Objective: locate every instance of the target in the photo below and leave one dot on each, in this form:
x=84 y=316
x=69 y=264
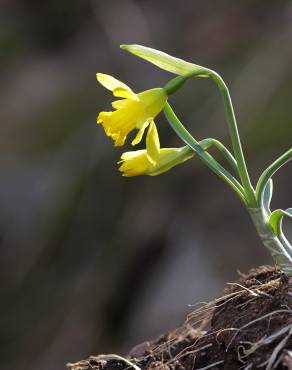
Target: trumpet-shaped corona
x=153 y=161
x=134 y=111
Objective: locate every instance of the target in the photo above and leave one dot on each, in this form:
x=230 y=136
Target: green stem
x=205 y=157
x=279 y=247
x=207 y=143
x=271 y=170
x=235 y=139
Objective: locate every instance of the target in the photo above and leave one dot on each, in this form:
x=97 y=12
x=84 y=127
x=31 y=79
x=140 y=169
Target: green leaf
x=184 y=134
x=270 y=171
x=276 y=219
x=266 y=196
x=165 y=61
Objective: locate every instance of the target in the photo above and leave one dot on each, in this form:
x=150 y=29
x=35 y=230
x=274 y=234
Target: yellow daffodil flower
x=153 y=161
x=134 y=111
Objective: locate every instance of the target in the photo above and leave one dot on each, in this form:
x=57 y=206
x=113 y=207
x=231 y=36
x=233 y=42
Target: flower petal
x=152 y=143
x=102 y=116
x=119 y=104
x=118 y=88
x=140 y=133
x=134 y=163
x=109 y=121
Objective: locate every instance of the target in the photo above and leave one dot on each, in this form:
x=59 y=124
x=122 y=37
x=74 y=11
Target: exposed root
x=211 y=365
x=251 y=326
x=187 y=352
x=286 y=359
x=99 y=362
x=277 y=349
x=248 y=366
x=253 y=293
x=263 y=341
x=255 y=321
x=199 y=320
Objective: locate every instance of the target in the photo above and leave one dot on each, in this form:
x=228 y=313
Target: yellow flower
x=153 y=161
x=134 y=111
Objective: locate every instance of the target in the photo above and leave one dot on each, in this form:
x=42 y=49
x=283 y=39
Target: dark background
x=92 y=262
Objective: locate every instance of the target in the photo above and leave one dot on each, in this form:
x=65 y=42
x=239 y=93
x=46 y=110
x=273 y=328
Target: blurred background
x=92 y=262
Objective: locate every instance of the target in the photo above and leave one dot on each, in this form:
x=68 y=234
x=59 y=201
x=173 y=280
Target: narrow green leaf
x=270 y=171
x=276 y=219
x=266 y=196
x=216 y=167
x=165 y=61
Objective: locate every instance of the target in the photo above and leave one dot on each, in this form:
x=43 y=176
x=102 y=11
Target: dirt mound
x=249 y=327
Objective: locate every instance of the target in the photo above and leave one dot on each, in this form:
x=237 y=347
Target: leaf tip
x=124 y=47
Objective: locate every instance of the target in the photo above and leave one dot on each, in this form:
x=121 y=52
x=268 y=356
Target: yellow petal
x=119 y=139
x=137 y=162
x=140 y=133
x=153 y=100
x=152 y=143
x=134 y=163
x=132 y=155
x=125 y=93
x=118 y=104
x=118 y=88
x=108 y=121
x=102 y=116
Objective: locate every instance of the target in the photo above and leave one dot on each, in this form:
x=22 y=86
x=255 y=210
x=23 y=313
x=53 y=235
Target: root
x=211 y=365
x=99 y=362
x=286 y=359
x=187 y=352
x=196 y=336
x=248 y=367
x=254 y=291
x=270 y=362
x=255 y=321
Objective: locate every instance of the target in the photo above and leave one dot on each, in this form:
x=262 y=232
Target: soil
x=249 y=327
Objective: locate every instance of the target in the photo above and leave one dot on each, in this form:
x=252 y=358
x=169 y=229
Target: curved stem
x=205 y=157
x=235 y=139
x=207 y=143
x=271 y=170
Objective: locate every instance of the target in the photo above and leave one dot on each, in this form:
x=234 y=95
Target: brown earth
x=250 y=327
